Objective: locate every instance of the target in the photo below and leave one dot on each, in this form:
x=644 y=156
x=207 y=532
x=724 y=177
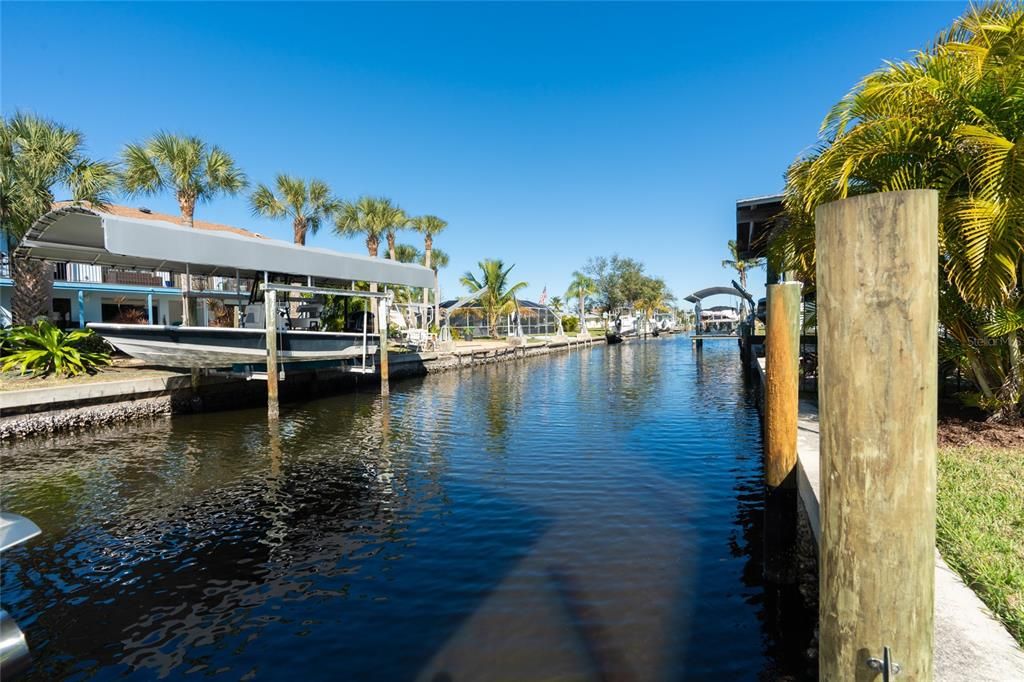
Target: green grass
x=981 y=526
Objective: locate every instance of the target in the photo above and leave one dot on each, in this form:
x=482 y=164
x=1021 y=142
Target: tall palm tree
x=188 y=166
x=498 y=295
x=581 y=287
x=429 y=225
x=949 y=119
x=37 y=156
x=741 y=265
x=308 y=205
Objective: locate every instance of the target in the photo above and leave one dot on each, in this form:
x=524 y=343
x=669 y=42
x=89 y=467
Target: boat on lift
x=623 y=326
x=79 y=233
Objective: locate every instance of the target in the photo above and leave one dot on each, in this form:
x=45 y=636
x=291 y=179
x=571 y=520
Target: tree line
x=39 y=156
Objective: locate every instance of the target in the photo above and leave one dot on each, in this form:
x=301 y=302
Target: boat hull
x=209 y=347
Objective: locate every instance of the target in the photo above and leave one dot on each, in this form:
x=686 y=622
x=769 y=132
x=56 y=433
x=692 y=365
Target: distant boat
x=623 y=326
x=174 y=346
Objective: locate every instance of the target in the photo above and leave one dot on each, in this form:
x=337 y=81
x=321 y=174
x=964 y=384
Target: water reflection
x=588 y=516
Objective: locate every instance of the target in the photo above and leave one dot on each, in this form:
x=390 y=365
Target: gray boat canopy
x=87 y=235
x=698 y=296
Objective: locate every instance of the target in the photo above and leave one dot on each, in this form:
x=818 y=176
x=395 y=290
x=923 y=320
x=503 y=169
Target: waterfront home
x=84 y=292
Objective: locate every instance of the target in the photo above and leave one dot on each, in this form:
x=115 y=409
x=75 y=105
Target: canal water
x=590 y=516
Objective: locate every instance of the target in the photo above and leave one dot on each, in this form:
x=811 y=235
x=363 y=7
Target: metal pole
x=149 y=308
x=877 y=276
x=366 y=305
x=385 y=389
x=186 y=287
x=270 y=306
x=81 y=309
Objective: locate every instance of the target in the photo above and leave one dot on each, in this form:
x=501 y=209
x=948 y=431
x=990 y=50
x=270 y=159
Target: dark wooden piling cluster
x=877 y=307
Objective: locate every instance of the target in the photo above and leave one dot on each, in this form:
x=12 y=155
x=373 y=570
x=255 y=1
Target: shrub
x=570 y=324
x=43 y=349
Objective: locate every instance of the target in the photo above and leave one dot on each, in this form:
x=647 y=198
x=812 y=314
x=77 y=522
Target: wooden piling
x=270 y=305
x=781 y=399
x=877 y=329
x=781 y=386
x=385 y=389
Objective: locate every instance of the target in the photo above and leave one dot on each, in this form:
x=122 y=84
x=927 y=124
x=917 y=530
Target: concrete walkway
x=970 y=644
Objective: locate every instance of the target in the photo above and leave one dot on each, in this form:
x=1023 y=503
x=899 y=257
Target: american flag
x=544 y=296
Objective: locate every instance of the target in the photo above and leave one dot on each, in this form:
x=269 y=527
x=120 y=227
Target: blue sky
x=544 y=133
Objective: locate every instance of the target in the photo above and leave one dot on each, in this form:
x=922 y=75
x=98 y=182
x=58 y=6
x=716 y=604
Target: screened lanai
x=470 y=321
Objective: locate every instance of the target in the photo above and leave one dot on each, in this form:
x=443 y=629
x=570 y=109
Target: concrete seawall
x=50 y=410
x=970 y=644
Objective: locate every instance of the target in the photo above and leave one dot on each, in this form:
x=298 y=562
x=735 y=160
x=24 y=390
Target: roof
x=697 y=296
x=523 y=303
x=88 y=235
x=755 y=218
x=142 y=213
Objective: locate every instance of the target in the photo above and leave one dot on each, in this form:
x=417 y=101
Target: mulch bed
x=964 y=427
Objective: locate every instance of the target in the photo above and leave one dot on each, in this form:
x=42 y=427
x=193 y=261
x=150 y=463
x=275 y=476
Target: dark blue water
x=581 y=516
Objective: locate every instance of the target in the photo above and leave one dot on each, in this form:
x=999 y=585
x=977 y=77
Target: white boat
x=622 y=326
x=210 y=347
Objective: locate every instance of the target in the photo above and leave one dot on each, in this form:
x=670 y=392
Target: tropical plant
x=42 y=349
x=556 y=304
x=407 y=253
x=580 y=288
x=307 y=204
x=570 y=324
x=951 y=119
x=498 y=295
x=188 y=166
x=741 y=265
x=429 y=225
x=36 y=157
x=438 y=259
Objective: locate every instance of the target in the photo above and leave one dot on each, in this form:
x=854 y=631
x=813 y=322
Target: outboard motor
x=14 y=652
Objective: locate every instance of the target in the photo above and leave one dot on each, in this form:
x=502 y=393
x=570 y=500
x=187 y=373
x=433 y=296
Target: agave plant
x=43 y=349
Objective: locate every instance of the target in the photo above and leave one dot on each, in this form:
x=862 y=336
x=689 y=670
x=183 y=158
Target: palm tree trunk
x=391 y=245
x=299 y=231
x=33 y=289
x=187 y=204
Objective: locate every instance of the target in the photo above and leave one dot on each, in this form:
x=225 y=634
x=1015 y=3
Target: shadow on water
x=582 y=516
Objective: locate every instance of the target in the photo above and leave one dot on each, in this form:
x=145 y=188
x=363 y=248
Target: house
x=84 y=293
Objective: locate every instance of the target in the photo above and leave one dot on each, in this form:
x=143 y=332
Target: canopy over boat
x=88 y=235
x=698 y=296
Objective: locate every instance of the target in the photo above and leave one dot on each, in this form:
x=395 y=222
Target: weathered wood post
x=270 y=304
x=781 y=399
x=877 y=328
x=781 y=386
x=385 y=389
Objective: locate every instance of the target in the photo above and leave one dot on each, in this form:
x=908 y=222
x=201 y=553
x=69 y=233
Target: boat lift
x=87 y=234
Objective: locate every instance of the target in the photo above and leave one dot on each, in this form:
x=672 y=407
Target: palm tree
x=498 y=296
x=429 y=225
x=741 y=265
x=950 y=120
x=306 y=204
x=406 y=253
x=581 y=287
x=193 y=170
x=37 y=155
x=556 y=304
x=438 y=260
x=373 y=218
